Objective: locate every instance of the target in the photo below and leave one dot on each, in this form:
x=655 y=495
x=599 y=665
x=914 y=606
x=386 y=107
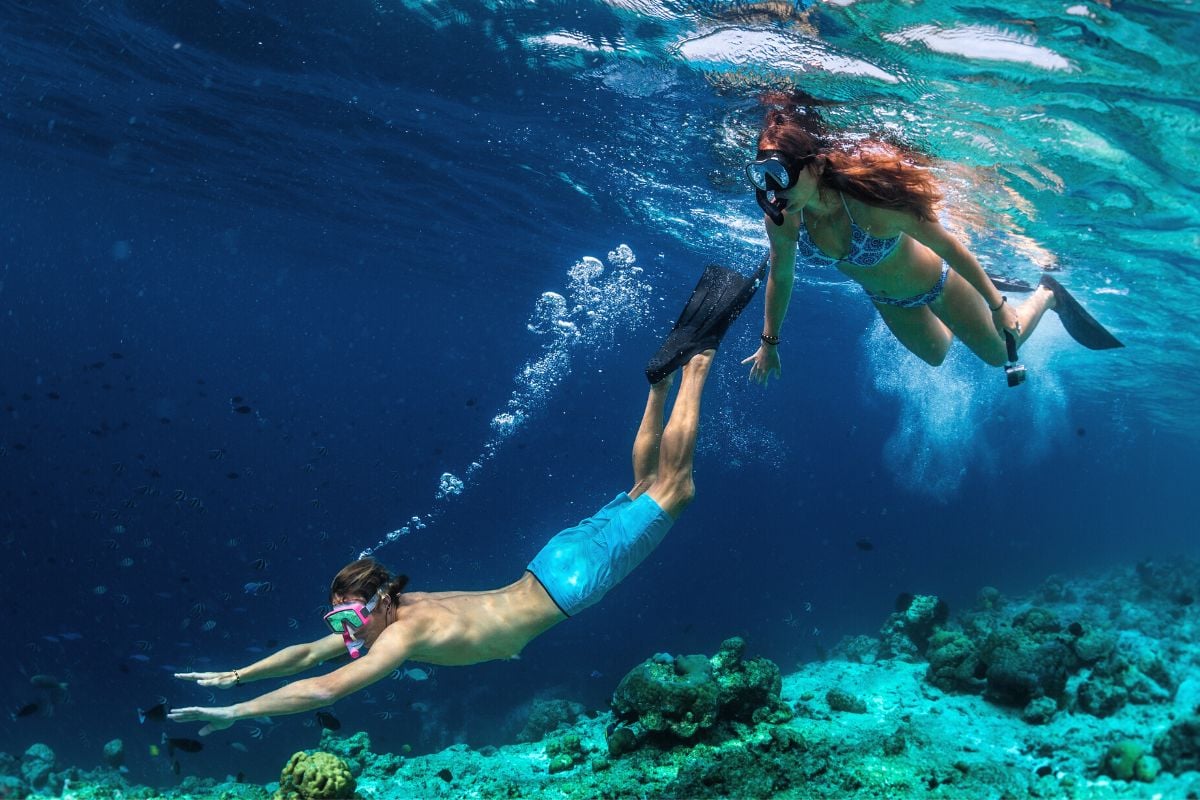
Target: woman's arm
x=778 y=297
x=287 y=661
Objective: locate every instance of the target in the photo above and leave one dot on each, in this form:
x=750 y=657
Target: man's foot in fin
x=715 y=303
x=1082 y=326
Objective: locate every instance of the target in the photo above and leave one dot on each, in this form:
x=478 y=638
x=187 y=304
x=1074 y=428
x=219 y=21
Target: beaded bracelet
x=768 y=339
x=1000 y=305
x=237 y=679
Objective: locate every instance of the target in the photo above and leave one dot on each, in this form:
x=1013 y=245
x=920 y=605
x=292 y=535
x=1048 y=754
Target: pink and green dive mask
x=347 y=619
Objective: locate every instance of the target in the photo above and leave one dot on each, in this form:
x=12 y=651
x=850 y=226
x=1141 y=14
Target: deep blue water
x=346 y=215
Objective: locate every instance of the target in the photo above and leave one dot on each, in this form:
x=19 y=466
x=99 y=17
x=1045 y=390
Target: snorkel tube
x=772 y=208
x=353 y=646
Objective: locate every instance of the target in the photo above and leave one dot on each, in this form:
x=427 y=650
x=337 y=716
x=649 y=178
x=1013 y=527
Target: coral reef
x=315 y=776
x=1085 y=690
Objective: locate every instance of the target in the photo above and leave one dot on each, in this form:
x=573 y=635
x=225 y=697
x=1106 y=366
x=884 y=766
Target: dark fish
x=445 y=775
x=243 y=409
x=1080 y=432
x=27 y=710
x=864 y=544
x=155 y=713
x=231 y=475
x=259 y=563
x=48 y=682
x=237 y=398
x=175 y=767
x=186 y=745
x=53 y=395
x=328 y=721
x=117 y=356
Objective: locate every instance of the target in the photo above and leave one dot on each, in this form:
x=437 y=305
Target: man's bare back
x=454 y=629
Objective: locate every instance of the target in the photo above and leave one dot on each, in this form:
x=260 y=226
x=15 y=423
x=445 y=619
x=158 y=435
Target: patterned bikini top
x=865 y=249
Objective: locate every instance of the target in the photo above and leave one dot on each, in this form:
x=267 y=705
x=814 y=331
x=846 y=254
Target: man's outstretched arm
x=288 y=661
x=305 y=695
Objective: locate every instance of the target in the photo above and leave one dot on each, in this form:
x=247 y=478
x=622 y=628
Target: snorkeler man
x=573 y=571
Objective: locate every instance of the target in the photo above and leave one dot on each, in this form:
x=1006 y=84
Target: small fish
x=142 y=657
x=155 y=713
x=865 y=544
x=258 y=564
x=258 y=588
x=154 y=751
x=209 y=625
x=328 y=721
x=47 y=682
x=27 y=710
x=178 y=743
x=233 y=476
x=243 y=409
x=241 y=748
x=175 y=766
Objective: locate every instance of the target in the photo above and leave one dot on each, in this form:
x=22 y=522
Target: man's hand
x=218 y=719
x=221 y=680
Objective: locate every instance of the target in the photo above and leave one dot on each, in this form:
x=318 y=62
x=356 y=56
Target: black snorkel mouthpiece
x=1013 y=372
x=772 y=208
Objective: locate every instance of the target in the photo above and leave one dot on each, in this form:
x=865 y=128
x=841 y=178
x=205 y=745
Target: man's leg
x=646 y=443
x=673 y=488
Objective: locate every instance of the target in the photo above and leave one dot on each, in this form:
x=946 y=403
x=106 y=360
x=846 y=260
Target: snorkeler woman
x=867 y=207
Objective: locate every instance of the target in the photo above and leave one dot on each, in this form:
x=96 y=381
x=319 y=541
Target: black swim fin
x=1082 y=326
x=1005 y=284
x=715 y=303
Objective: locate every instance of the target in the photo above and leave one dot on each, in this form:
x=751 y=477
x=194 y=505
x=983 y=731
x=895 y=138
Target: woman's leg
x=964 y=312
x=918 y=330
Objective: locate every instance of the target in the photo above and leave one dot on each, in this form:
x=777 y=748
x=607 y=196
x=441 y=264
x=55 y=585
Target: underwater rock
x=565 y=753
x=1039 y=711
x=679 y=698
x=1093 y=645
x=1100 y=698
x=36 y=765
x=905 y=634
x=857 y=649
x=315 y=776
x=355 y=749
x=842 y=700
x=546 y=715
x=1179 y=747
x=954 y=664
x=1037 y=621
x=749 y=690
x=684 y=696
x=114 y=753
x=989 y=599
x=1020 y=668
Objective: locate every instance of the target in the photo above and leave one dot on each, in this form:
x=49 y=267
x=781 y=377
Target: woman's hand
x=221 y=680
x=1005 y=319
x=218 y=719
x=766 y=364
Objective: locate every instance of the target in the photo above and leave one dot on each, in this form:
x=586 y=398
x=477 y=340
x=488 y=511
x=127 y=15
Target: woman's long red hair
x=871 y=170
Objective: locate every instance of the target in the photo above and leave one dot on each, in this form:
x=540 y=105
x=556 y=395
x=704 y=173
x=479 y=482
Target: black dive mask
x=772 y=171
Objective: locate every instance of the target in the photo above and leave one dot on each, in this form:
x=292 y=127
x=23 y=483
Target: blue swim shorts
x=579 y=565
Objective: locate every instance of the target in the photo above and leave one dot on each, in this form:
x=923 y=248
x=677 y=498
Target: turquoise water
x=350 y=217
